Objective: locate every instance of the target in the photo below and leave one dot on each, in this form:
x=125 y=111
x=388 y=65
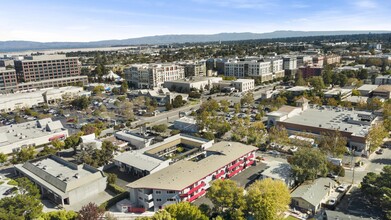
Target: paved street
x=374 y=163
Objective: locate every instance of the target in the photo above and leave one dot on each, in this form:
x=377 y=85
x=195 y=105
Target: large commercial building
x=264 y=69
x=33 y=133
x=59 y=82
x=61 y=181
x=185 y=85
x=12 y=101
x=38 y=68
x=188 y=180
x=354 y=125
x=8 y=81
x=149 y=76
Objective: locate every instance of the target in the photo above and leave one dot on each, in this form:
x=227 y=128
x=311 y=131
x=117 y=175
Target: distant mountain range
x=10 y=46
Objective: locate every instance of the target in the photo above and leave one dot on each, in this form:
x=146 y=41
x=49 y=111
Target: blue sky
x=90 y=20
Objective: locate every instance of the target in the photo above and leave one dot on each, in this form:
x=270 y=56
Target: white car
x=332 y=201
x=342 y=188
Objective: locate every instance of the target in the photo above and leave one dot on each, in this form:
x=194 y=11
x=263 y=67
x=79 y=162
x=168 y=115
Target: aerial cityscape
x=195 y=110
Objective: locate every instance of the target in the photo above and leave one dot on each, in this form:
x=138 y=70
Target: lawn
x=290 y=218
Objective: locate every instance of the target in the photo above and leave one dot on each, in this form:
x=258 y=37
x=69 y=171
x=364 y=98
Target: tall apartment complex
x=195 y=69
x=148 y=76
x=8 y=80
x=289 y=63
x=266 y=69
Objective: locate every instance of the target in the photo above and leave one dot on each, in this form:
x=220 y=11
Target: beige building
x=149 y=76
x=244 y=85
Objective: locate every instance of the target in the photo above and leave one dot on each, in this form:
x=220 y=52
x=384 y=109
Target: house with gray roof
x=310 y=195
x=63 y=182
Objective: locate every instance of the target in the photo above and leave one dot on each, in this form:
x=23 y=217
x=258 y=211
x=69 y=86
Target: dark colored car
x=9 y=191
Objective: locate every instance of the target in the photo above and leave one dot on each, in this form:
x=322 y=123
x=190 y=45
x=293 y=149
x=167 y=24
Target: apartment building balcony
x=220 y=174
x=233 y=173
x=235 y=165
x=196 y=196
x=148 y=197
x=148 y=205
x=191 y=191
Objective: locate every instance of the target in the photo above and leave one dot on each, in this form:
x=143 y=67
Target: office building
x=383 y=91
x=45 y=67
x=244 y=85
x=304 y=60
x=194 y=69
x=8 y=81
x=149 y=76
x=185 y=85
x=63 y=182
x=187 y=180
x=33 y=133
x=353 y=125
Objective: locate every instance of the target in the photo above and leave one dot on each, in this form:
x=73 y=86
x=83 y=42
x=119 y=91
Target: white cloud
x=365 y=4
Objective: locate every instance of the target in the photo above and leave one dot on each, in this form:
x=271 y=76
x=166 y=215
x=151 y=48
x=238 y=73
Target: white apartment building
x=149 y=76
x=289 y=63
x=187 y=180
x=265 y=69
x=244 y=85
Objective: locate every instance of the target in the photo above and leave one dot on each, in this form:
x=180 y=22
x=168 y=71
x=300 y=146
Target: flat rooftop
x=58 y=174
x=330 y=118
x=368 y=87
x=139 y=160
x=29 y=130
x=278 y=170
x=47 y=57
x=184 y=173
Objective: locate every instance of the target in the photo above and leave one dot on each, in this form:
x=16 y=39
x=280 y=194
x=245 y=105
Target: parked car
x=332 y=201
x=332 y=176
x=342 y=188
x=9 y=191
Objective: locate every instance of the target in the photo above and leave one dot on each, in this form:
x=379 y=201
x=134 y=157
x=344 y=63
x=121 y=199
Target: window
x=170 y=192
x=171 y=199
x=158 y=192
x=158 y=200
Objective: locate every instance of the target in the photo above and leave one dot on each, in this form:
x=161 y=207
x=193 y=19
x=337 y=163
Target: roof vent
x=77 y=176
x=44 y=167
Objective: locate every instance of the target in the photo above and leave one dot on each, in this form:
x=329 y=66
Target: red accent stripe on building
x=56 y=137
x=235 y=165
x=197 y=195
x=196 y=188
x=235 y=172
x=220 y=174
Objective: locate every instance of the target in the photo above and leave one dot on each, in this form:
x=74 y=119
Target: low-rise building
x=310 y=196
x=244 y=85
x=185 y=85
x=366 y=89
x=299 y=90
x=33 y=133
x=353 y=125
x=383 y=91
x=310 y=71
x=153 y=158
x=188 y=180
x=338 y=93
x=186 y=124
x=383 y=80
x=12 y=101
x=279 y=171
x=63 y=182
x=161 y=95
x=135 y=140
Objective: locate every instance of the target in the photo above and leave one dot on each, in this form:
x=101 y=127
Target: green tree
x=72 y=141
x=3 y=158
x=375 y=136
x=333 y=143
x=317 y=83
x=363 y=74
x=327 y=75
x=300 y=80
x=185 y=211
x=124 y=87
x=280 y=101
x=111 y=178
x=237 y=107
x=20 y=207
x=355 y=92
x=97 y=90
x=59 y=215
x=377 y=190
x=160 y=128
x=307 y=164
x=268 y=199
x=227 y=198
x=178 y=101
x=81 y=103
x=248 y=98
x=332 y=102
x=278 y=134
x=58 y=144
x=26 y=187
x=23 y=155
